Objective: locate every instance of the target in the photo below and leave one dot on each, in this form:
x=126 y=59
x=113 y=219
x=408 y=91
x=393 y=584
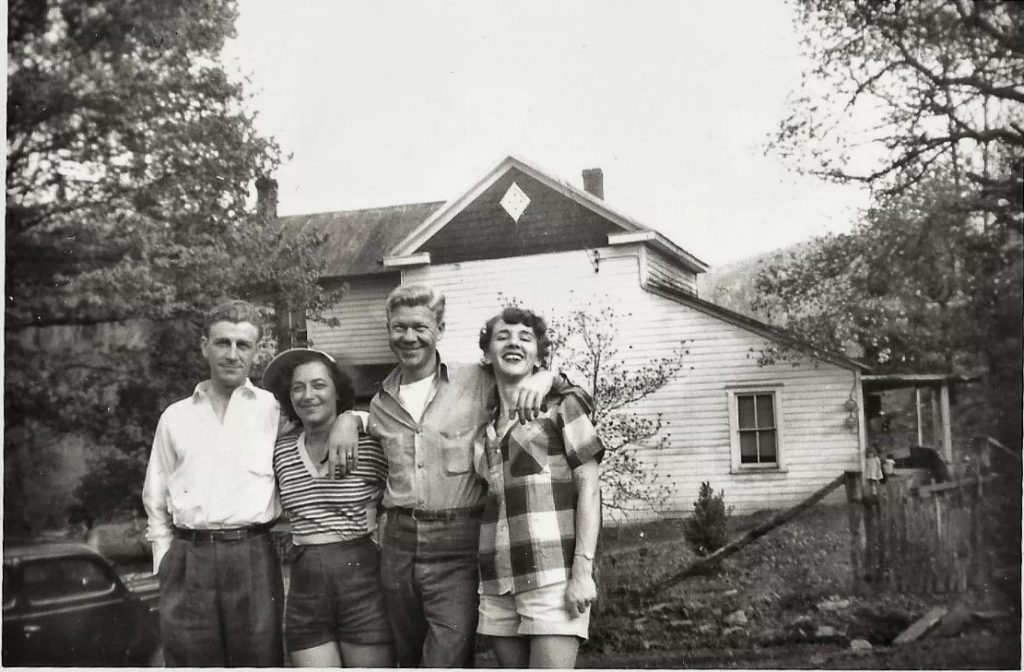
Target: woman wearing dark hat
x=334 y=614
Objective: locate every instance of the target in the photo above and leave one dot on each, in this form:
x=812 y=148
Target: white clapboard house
x=769 y=435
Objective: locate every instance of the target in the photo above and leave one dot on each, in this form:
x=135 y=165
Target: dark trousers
x=430 y=578
x=221 y=604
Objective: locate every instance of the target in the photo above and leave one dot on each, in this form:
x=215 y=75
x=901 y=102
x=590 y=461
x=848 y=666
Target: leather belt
x=211 y=536
x=441 y=514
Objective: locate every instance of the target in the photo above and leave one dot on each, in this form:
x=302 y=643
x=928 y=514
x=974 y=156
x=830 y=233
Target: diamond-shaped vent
x=515 y=201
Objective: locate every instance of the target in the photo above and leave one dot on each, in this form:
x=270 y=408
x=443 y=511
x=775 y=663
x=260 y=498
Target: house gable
x=558 y=217
x=551 y=222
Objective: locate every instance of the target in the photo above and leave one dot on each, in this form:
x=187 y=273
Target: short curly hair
x=344 y=388
x=525 y=317
x=234 y=311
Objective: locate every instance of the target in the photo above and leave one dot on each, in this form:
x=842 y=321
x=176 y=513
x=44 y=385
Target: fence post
x=855 y=515
x=901 y=548
x=977 y=558
x=891 y=504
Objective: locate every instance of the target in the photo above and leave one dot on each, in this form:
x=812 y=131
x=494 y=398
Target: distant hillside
x=732 y=285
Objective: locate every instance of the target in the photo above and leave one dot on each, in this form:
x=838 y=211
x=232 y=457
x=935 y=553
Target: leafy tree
x=925 y=102
x=129 y=160
x=918 y=286
x=583 y=344
x=895 y=89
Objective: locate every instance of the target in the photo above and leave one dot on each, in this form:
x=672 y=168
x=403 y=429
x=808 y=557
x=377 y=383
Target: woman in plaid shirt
x=544 y=493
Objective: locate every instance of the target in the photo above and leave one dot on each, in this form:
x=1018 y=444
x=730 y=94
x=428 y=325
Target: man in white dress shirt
x=211 y=498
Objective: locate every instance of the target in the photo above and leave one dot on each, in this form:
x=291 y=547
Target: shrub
x=706 y=528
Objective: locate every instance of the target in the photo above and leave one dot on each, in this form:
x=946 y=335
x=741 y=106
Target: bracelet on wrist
x=584 y=555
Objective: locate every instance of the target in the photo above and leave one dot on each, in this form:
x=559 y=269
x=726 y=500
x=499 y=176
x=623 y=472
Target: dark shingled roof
x=357 y=240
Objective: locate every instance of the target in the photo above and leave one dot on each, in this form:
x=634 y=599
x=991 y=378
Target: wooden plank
x=871 y=536
x=885 y=533
x=927 y=490
x=995 y=443
x=946 y=423
x=978 y=564
x=949 y=543
x=855 y=517
x=899 y=511
x=963 y=530
x=924 y=547
x=902 y=566
x=890 y=536
x=935 y=555
x=920 y=626
x=754 y=534
x=953 y=622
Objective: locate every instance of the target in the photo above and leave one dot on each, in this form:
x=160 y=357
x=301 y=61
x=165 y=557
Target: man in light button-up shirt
x=209 y=472
x=211 y=497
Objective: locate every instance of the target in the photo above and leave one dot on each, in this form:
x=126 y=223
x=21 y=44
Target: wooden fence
x=908 y=537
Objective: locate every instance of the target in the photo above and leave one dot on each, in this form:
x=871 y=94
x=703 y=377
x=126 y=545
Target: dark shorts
x=335 y=596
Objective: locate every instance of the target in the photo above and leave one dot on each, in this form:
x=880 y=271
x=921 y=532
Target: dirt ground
x=783 y=602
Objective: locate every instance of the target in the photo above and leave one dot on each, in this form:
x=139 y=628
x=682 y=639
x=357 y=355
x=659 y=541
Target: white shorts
x=540 y=611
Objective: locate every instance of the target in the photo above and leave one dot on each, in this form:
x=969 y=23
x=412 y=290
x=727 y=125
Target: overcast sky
x=382 y=103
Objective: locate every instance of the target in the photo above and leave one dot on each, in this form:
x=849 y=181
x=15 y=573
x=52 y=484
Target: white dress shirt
x=208 y=474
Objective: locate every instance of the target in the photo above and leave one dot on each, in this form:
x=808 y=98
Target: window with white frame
x=756 y=428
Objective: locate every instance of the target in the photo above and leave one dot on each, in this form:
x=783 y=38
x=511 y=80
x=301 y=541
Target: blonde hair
x=416 y=295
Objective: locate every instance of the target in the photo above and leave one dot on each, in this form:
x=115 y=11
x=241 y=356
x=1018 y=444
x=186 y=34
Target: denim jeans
x=221 y=604
x=430 y=578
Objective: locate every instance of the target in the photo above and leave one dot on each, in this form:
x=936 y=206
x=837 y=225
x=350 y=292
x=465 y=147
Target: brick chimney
x=593 y=182
x=266 y=197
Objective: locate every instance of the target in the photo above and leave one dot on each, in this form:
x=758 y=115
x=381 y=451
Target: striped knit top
x=321 y=509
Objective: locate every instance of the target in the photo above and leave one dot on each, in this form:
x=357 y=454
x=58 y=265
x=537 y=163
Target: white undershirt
x=414 y=396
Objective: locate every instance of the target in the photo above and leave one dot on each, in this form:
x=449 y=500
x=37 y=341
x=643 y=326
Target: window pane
x=745 y=403
x=767 y=441
x=765 y=411
x=63 y=578
x=748 y=447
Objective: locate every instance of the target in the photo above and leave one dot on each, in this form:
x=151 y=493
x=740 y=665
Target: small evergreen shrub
x=706 y=528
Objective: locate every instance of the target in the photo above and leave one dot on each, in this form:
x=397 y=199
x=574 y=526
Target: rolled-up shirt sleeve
x=582 y=442
x=155 y=493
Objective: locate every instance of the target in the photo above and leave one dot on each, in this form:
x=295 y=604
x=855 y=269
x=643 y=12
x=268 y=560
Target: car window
x=8 y=588
x=64 y=579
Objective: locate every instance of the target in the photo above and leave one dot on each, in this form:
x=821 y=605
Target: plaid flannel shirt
x=430 y=462
x=528 y=532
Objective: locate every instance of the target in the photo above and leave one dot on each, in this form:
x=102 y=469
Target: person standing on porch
x=873 y=469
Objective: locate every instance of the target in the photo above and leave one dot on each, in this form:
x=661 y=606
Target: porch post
x=947 y=428
x=917 y=409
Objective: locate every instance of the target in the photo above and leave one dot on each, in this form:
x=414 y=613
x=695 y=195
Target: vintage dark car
x=64 y=604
